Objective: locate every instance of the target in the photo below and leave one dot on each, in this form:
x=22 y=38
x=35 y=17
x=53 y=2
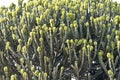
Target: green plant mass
x=60 y=40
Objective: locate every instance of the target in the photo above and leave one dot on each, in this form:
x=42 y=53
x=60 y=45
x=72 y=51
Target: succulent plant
x=60 y=40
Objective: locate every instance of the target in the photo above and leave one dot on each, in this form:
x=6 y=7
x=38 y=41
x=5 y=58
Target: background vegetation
x=60 y=40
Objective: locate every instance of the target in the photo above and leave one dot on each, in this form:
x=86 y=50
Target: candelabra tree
x=60 y=40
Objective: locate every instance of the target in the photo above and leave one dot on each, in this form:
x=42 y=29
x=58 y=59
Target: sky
x=7 y=2
x=117 y=0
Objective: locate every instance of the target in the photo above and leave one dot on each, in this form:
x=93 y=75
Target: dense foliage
x=60 y=40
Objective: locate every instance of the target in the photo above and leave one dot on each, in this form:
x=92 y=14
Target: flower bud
x=52 y=23
x=24 y=49
x=28 y=15
x=71 y=41
x=54 y=29
x=41 y=32
x=84 y=41
x=119 y=25
x=13 y=77
x=40 y=8
x=36 y=72
x=38 y=20
x=82 y=18
x=21 y=60
x=84 y=49
x=19 y=48
x=50 y=29
x=70 y=15
x=25 y=75
x=95 y=43
x=102 y=18
x=47 y=59
x=88 y=46
x=41 y=39
x=19 y=41
x=11 y=28
x=32 y=68
x=22 y=71
x=65 y=28
x=107 y=10
x=23 y=31
x=113 y=45
x=109 y=24
x=91 y=48
x=108 y=37
x=103 y=26
x=101 y=6
x=66 y=49
x=32 y=34
x=13 y=36
x=29 y=41
x=115 y=20
x=3 y=31
x=90 y=41
x=45 y=28
x=107 y=47
x=7 y=46
x=108 y=55
x=5 y=69
x=86 y=24
x=39 y=49
x=117 y=37
x=80 y=41
x=110 y=72
x=75 y=24
x=76 y=40
x=113 y=30
x=100 y=53
x=67 y=41
x=60 y=28
x=95 y=20
x=118 y=43
x=17 y=9
x=62 y=68
x=91 y=18
x=14 y=13
x=45 y=75
x=107 y=18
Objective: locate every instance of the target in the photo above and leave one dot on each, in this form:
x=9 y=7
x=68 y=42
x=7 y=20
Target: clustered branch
x=60 y=40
